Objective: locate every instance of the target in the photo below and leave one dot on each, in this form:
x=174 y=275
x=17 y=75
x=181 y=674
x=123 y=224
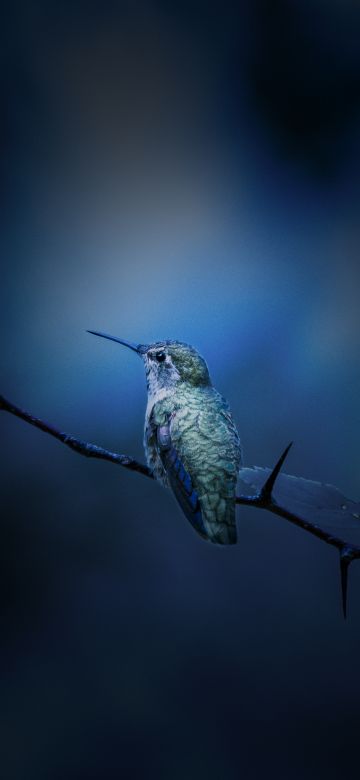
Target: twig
x=82 y=447
x=265 y=500
x=262 y=500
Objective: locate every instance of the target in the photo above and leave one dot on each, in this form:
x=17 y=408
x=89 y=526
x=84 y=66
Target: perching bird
x=190 y=438
x=192 y=446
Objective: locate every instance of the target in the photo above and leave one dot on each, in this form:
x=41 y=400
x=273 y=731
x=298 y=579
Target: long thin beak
x=138 y=348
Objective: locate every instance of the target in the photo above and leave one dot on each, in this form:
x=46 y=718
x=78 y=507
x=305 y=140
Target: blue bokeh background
x=192 y=173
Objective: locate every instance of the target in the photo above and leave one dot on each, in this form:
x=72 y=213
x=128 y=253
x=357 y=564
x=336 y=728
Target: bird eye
x=160 y=357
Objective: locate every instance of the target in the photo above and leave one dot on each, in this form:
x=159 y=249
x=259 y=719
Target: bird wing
x=200 y=469
x=179 y=479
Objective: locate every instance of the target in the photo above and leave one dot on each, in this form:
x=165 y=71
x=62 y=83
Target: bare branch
x=303 y=501
x=271 y=506
x=312 y=500
x=82 y=447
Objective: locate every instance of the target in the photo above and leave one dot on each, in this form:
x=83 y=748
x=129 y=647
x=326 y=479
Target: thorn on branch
x=265 y=496
x=346 y=557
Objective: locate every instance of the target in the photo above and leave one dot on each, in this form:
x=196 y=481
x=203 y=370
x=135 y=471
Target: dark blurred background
x=186 y=171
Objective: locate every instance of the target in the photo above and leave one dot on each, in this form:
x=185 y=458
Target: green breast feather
x=206 y=440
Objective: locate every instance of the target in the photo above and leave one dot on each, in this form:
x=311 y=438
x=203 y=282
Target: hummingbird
x=192 y=446
x=191 y=442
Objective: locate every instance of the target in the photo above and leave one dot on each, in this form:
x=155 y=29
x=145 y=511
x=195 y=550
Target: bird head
x=168 y=363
